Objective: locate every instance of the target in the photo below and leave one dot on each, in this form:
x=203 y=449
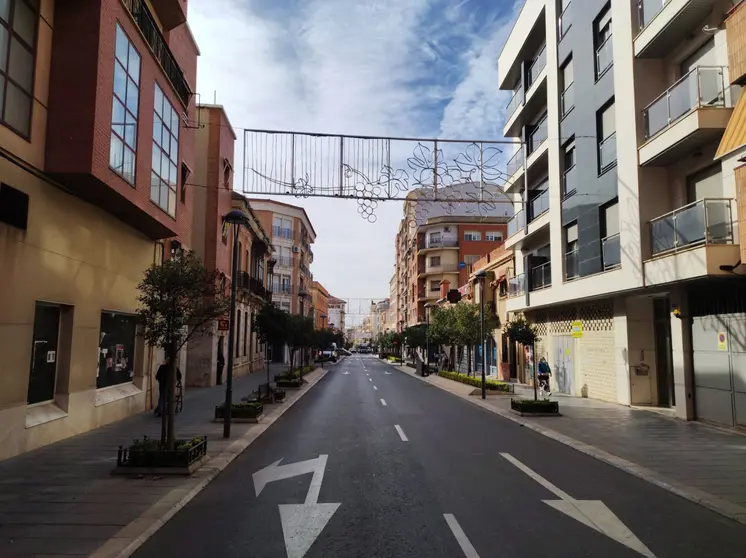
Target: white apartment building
x=625 y=232
x=337 y=311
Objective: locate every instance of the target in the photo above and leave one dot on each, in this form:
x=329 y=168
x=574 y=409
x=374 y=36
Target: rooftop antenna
x=214 y=96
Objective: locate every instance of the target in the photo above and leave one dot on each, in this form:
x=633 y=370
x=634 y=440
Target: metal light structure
x=481 y=276
x=235 y=218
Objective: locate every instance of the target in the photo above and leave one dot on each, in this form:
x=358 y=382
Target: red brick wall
x=480 y=248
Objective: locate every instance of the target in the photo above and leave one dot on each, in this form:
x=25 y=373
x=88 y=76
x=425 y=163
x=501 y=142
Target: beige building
x=627 y=255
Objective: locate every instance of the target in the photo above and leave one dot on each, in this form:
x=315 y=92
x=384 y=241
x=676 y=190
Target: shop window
x=116 y=348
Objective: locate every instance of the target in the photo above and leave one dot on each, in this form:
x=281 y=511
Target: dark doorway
x=43 y=373
x=663 y=352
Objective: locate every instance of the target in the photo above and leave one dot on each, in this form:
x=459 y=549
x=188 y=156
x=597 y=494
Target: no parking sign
x=722 y=341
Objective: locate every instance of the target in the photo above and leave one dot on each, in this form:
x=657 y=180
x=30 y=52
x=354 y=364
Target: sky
x=404 y=68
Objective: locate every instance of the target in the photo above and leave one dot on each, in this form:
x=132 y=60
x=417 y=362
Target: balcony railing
x=536 y=67
x=538 y=205
x=648 y=9
x=146 y=22
x=703 y=86
x=256 y=287
x=604 y=56
x=515 y=162
x=611 y=251
x=567 y=99
x=517 y=223
x=304 y=269
x=515 y=101
x=569 y=182
x=571 y=265
x=442 y=243
x=441 y=268
x=607 y=152
x=538 y=135
x=285 y=261
x=541 y=276
x=517 y=285
x=565 y=21
x=706 y=221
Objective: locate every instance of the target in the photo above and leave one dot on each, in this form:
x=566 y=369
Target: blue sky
x=368 y=67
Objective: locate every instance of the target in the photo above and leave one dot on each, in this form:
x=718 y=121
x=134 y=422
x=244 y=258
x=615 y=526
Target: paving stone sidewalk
x=708 y=463
x=62 y=499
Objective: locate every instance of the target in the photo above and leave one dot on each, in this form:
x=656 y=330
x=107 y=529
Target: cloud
x=374 y=67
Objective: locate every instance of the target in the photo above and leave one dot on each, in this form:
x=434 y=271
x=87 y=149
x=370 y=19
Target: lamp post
x=271 y=263
x=427 y=337
x=301 y=298
x=235 y=218
x=481 y=275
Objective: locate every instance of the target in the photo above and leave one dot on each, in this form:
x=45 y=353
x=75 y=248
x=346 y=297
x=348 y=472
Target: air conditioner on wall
x=446 y=229
x=296 y=249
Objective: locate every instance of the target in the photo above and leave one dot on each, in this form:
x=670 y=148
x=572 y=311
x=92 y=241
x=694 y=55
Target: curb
x=133 y=536
x=695 y=495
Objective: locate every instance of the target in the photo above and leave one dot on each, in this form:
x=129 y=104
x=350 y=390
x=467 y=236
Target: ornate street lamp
x=481 y=275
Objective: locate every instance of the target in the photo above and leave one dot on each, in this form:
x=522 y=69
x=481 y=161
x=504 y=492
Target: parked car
x=329 y=355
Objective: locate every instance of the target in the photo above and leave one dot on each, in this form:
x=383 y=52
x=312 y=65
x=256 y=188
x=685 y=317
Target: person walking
x=161 y=376
x=544 y=374
x=221 y=361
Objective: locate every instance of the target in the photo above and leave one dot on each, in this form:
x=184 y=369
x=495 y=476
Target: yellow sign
x=577 y=329
x=722 y=341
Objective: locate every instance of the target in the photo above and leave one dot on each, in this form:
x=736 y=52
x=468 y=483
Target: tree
x=178 y=299
x=300 y=333
x=520 y=331
x=469 y=327
x=415 y=337
x=442 y=329
x=270 y=324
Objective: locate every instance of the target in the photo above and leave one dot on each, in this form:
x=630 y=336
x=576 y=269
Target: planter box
x=540 y=408
x=289 y=384
x=241 y=413
x=143 y=460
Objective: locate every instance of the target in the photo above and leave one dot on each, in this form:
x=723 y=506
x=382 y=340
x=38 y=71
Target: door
x=563 y=364
x=663 y=352
x=43 y=372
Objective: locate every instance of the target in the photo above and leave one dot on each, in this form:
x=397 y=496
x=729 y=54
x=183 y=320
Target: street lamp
x=481 y=275
x=427 y=337
x=235 y=218
x=271 y=263
x=301 y=298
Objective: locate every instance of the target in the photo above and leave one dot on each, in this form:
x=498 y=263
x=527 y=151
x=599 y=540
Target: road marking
x=383 y=402
x=345 y=373
x=401 y=433
x=375 y=388
x=370 y=379
x=461 y=538
x=591 y=513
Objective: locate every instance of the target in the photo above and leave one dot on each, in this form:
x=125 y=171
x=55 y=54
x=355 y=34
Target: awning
x=735 y=133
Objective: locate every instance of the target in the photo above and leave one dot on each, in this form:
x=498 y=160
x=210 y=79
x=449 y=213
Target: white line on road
x=375 y=388
x=538 y=478
x=383 y=402
x=401 y=433
x=370 y=379
x=461 y=538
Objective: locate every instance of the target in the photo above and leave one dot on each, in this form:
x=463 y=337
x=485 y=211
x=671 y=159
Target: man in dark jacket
x=161 y=377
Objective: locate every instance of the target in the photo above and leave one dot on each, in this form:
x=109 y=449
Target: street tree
x=469 y=327
x=178 y=299
x=520 y=331
x=442 y=329
x=300 y=334
x=415 y=337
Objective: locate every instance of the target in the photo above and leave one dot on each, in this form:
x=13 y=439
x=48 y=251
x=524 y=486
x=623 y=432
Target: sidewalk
x=701 y=463
x=62 y=499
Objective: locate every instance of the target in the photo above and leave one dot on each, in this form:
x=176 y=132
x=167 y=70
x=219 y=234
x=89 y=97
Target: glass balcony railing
x=569 y=182
x=567 y=99
x=648 y=9
x=706 y=221
x=541 y=276
x=607 y=152
x=538 y=136
x=285 y=261
x=440 y=243
x=516 y=223
x=611 y=251
x=565 y=21
x=538 y=205
x=516 y=162
x=515 y=102
x=536 y=67
x=704 y=86
x=517 y=285
x=604 y=56
x=571 y=265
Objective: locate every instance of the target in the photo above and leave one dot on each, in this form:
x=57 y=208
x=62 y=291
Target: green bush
x=393 y=359
x=491 y=385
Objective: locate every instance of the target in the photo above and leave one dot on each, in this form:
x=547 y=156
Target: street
x=374 y=462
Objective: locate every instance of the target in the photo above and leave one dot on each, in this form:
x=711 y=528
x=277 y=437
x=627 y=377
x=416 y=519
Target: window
x=435 y=237
x=18 y=25
x=165 y=153
x=285 y=283
x=569 y=185
x=43 y=373
x=494 y=236
x=565 y=19
x=471 y=259
x=610 y=246
x=473 y=236
x=434 y=286
x=282 y=227
x=238 y=333
x=285 y=306
x=245 y=331
x=435 y=261
x=116 y=349
x=707 y=183
x=571 y=251
x=567 y=99
x=185 y=173
x=239 y=257
x=602 y=32
x=124 y=108
x=607 y=134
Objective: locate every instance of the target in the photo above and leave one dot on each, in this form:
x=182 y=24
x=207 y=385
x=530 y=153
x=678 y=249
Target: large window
x=602 y=39
x=165 y=154
x=124 y=108
x=494 y=236
x=610 y=247
x=18 y=24
x=607 y=133
x=567 y=78
x=473 y=236
x=116 y=349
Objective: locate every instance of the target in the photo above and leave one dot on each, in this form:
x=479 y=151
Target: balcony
x=515 y=102
x=693 y=111
x=430 y=244
x=607 y=152
x=538 y=205
x=517 y=223
x=440 y=268
x=567 y=100
x=541 y=277
x=517 y=285
x=171 y=13
x=569 y=182
x=611 y=252
x=693 y=241
x=538 y=135
x=604 y=56
x=535 y=69
x=664 y=24
x=247 y=283
x=284 y=261
x=148 y=27
x=281 y=232
x=571 y=265
x=515 y=163
x=304 y=269
x=565 y=22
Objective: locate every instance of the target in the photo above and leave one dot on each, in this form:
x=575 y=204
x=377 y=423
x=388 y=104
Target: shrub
x=491 y=385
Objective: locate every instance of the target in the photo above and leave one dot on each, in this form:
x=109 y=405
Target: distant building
x=337 y=310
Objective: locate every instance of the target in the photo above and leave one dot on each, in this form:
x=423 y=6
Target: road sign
x=591 y=513
x=577 y=329
x=722 y=341
x=301 y=523
x=223 y=325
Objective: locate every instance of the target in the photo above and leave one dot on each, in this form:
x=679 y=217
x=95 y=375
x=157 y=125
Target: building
x=96 y=138
x=378 y=312
x=337 y=311
x=626 y=256
x=320 y=305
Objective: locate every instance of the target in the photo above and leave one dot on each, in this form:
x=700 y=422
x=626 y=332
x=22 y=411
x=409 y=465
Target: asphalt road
x=428 y=475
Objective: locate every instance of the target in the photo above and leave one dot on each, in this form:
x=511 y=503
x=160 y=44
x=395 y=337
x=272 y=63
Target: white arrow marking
x=345 y=373
x=301 y=523
x=591 y=513
x=387 y=373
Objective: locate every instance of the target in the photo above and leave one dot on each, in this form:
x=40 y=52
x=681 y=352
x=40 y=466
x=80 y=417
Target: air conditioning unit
x=446 y=229
x=296 y=249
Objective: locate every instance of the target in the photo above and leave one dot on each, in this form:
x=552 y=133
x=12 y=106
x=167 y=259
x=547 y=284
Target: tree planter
x=290 y=384
x=280 y=395
x=146 y=457
x=241 y=412
x=490 y=385
x=539 y=408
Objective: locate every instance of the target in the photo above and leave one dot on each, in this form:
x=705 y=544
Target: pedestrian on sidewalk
x=161 y=377
x=544 y=373
x=221 y=361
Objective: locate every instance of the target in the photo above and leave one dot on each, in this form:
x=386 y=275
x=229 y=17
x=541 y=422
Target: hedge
x=477 y=382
